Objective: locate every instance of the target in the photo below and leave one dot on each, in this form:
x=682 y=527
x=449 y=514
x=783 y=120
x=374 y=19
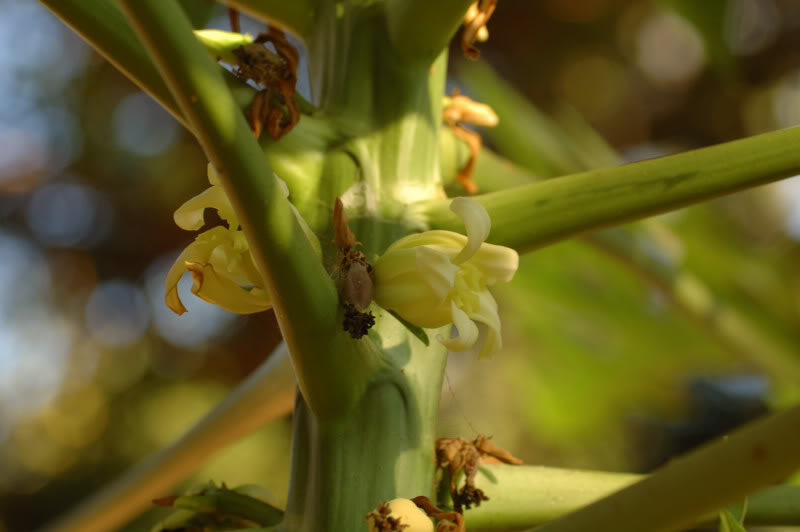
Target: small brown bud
x=357 y=286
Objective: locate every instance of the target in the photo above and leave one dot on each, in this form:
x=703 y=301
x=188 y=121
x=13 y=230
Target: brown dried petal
x=345 y=239
x=473 y=26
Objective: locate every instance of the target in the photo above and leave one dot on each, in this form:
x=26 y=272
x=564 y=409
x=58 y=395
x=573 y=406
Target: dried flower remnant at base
x=357 y=323
x=436 y=278
x=458 y=110
x=398 y=515
x=448 y=521
x=277 y=74
x=455 y=454
x=475 y=21
x=353 y=275
x=223 y=270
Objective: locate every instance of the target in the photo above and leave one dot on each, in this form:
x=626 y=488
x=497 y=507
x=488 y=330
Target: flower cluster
x=429 y=279
x=219 y=259
x=435 y=278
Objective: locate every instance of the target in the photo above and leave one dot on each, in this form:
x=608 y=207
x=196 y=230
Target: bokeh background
x=613 y=360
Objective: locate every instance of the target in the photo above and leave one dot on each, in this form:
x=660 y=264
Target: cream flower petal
x=411 y=297
x=498 y=263
x=476 y=222
x=198 y=251
x=189 y=216
x=467 y=331
x=436 y=238
x=220 y=260
x=400 y=262
x=223 y=292
x=447 y=281
x=437 y=270
x=487 y=313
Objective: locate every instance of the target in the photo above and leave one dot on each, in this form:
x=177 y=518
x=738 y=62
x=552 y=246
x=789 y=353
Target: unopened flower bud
x=400 y=515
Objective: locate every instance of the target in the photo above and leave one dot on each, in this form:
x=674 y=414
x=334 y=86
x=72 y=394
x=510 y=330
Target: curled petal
x=477 y=223
x=487 y=313
x=467 y=331
x=497 y=263
x=198 y=251
x=223 y=292
x=189 y=216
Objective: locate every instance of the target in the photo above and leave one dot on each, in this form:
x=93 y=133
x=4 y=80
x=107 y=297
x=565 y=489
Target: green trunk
x=388 y=115
x=382 y=450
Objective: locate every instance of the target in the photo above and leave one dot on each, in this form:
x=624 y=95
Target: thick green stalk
x=663 y=269
x=532 y=216
x=304 y=297
x=294 y=16
x=383 y=451
x=265 y=395
x=527 y=496
x=693 y=486
x=421 y=29
x=388 y=113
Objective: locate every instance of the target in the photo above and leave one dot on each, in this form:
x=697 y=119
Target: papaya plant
x=364 y=220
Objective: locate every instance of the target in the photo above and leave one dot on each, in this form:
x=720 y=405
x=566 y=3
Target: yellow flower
x=411 y=518
x=222 y=266
x=435 y=278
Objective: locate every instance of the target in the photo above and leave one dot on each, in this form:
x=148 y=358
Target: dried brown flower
x=456 y=454
x=475 y=26
x=277 y=74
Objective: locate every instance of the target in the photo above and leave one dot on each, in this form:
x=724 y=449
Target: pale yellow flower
x=411 y=518
x=435 y=278
x=222 y=266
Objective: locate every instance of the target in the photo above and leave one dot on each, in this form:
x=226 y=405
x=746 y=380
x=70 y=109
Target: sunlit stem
x=303 y=294
x=527 y=496
x=531 y=216
x=689 y=293
x=221 y=44
x=421 y=29
x=389 y=115
x=295 y=16
x=691 y=487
